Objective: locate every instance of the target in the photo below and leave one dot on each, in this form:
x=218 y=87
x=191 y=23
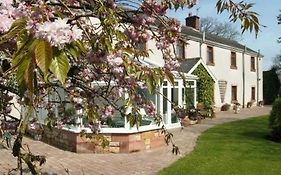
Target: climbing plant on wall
x=205 y=85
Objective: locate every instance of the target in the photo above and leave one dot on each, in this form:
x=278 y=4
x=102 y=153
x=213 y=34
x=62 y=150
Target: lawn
x=234 y=148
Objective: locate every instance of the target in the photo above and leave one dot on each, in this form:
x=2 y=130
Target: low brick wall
x=118 y=143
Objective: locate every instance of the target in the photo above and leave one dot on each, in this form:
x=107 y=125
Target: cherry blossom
x=59 y=32
x=5 y=23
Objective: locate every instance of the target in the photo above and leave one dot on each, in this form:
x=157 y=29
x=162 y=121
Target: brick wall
x=118 y=143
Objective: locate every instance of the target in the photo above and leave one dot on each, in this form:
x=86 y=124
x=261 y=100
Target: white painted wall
x=192 y=49
x=221 y=69
x=234 y=77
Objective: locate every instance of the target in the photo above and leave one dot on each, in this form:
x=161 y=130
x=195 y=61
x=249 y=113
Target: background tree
x=279 y=22
x=271 y=86
x=223 y=29
x=277 y=64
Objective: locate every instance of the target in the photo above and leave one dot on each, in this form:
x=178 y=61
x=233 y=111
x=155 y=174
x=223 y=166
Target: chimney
x=193 y=21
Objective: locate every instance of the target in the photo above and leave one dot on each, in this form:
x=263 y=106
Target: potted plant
x=236 y=107
x=182 y=113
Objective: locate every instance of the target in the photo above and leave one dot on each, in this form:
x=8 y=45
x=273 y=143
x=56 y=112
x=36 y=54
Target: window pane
x=146 y=118
x=146 y=95
x=234 y=93
x=253 y=93
x=253 y=64
x=175 y=102
x=117 y=120
x=233 y=59
x=190 y=83
x=180 y=49
x=165 y=101
x=210 y=55
x=189 y=97
x=165 y=105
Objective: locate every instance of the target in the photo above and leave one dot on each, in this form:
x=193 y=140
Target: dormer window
x=180 y=49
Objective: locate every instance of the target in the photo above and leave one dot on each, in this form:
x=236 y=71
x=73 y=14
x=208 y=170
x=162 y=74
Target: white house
x=237 y=69
x=234 y=69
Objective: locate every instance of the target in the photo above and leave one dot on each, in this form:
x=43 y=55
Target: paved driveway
x=146 y=162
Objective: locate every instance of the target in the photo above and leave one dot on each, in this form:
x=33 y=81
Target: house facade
x=237 y=69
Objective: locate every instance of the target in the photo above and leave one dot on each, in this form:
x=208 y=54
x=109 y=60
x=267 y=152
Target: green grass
x=234 y=148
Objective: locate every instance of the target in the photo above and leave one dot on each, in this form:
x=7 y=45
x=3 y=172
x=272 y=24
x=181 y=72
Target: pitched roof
x=189 y=32
x=189 y=65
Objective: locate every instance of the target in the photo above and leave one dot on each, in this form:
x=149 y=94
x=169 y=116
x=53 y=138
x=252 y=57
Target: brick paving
x=148 y=162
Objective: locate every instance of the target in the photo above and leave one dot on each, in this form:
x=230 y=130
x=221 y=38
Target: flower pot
x=185 y=122
x=193 y=122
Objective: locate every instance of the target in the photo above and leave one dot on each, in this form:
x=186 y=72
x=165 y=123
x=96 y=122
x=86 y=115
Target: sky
x=266 y=40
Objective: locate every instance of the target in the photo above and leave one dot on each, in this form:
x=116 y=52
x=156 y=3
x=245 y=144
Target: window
x=253 y=93
x=180 y=49
x=253 y=67
x=210 y=55
x=233 y=64
x=233 y=93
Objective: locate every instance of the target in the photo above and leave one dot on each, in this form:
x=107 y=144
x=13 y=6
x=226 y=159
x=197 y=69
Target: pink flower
x=150 y=108
x=5 y=23
x=6 y=3
x=143 y=19
x=114 y=61
x=108 y=111
x=163 y=44
x=118 y=70
x=59 y=32
x=150 y=7
x=172 y=64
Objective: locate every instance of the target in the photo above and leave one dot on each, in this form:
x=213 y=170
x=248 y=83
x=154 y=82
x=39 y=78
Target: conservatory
x=121 y=136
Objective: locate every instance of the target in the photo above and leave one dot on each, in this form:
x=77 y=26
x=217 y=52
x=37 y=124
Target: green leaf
x=92 y=114
x=149 y=81
x=17 y=27
x=24 y=74
x=24 y=51
x=60 y=66
x=170 y=77
x=28 y=76
x=22 y=67
x=22 y=38
x=43 y=56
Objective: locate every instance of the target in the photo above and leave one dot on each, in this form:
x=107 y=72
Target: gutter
x=200 y=45
x=258 y=77
x=243 y=76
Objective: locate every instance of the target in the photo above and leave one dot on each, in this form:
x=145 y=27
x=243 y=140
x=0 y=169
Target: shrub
x=225 y=107
x=271 y=86
x=250 y=103
x=275 y=120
